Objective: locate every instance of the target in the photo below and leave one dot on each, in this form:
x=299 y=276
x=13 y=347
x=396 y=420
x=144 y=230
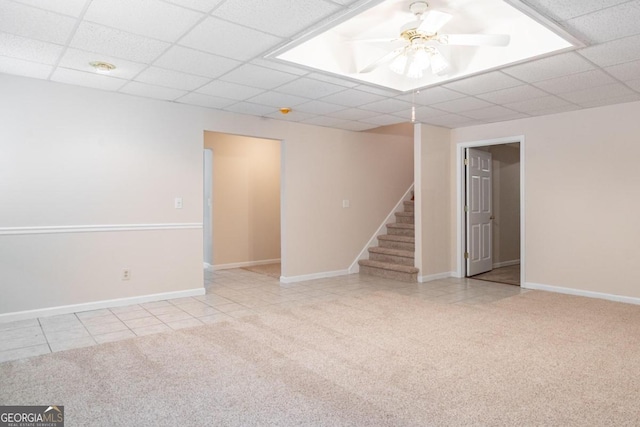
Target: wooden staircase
x=394 y=258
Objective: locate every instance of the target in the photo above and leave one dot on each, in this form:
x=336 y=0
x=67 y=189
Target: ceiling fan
x=420 y=39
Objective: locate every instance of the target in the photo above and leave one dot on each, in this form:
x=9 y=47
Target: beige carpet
x=378 y=360
x=509 y=275
x=271 y=270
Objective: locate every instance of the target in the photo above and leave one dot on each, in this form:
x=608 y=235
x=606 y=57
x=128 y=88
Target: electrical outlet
x=126 y=274
x=177 y=203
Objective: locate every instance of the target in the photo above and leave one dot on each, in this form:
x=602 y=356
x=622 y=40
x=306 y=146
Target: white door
x=207 y=225
x=479 y=212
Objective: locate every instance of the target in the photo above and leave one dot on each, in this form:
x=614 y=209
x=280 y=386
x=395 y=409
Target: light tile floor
x=229 y=294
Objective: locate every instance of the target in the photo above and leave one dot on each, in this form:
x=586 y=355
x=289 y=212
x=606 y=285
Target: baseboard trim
x=56 y=229
x=506 y=263
x=582 y=293
x=207 y=265
x=431 y=277
x=313 y=276
x=96 y=305
x=243 y=264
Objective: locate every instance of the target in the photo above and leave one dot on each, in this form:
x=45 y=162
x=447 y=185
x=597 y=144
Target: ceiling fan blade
x=386 y=58
x=475 y=39
x=434 y=21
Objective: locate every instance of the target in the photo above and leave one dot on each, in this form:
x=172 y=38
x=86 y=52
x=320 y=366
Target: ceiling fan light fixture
x=399 y=64
x=415 y=70
x=438 y=63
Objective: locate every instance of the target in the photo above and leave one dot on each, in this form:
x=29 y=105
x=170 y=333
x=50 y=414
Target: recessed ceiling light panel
x=406 y=45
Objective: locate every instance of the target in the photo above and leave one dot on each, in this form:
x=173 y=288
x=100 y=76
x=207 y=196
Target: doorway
x=245 y=198
x=490 y=187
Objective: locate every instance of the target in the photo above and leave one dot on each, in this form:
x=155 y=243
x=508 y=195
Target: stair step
x=401 y=229
x=405 y=217
x=392 y=241
x=387 y=270
x=391 y=255
x=408 y=206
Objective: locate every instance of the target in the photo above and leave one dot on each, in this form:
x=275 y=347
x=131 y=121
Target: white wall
x=581 y=208
x=77 y=156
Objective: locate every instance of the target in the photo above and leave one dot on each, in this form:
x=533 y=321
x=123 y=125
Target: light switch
x=346 y=203
x=178 y=203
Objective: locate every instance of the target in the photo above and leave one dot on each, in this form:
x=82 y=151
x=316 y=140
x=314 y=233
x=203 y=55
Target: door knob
x=492 y=217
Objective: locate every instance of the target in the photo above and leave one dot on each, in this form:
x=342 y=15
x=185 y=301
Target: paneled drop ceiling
x=211 y=53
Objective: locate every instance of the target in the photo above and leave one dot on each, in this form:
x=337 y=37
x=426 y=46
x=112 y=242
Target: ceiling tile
x=283 y=18
x=353 y=114
x=615 y=90
x=81 y=78
x=263 y=78
x=452 y=121
x=192 y=61
x=201 y=5
x=249 y=108
x=352 y=98
x=484 y=83
x=611 y=101
x=229 y=90
x=608 y=24
x=574 y=82
x=423 y=113
x=385 y=119
x=149 y=18
x=66 y=7
x=567 y=9
x=431 y=96
x=491 y=113
x=30 y=22
x=293 y=116
x=377 y=90
x=99 y=39
x=357 y=126
x=205 y=100
x=634 y=84
x=626 y=71
x=150 y=91
x=613 y=52
x=513 y=94
x=24 y=68
x=387 y=106
x=550 y=67
x=543 y=103
x=324 y=121
x=310 y=88
x=79 y=60
x=555 y=110
x=275 y=65
x=29 y=49
x=277 y=99
x=173 y=79
x=228 y=39
x=319 y=107
x=462 y=104
x=331 y=79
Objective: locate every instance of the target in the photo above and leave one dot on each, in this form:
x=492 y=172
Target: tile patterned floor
x=230 y=294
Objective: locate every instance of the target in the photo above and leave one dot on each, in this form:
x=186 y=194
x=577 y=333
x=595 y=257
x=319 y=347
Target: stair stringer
x=364 y=254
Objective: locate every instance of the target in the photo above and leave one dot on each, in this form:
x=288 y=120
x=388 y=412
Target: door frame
x=460 y=201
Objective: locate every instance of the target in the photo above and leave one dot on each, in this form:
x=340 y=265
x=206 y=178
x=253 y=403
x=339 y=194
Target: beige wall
x=506 y=202
x=435 y=203
x=581 y=181
x=77 y=156
x=246 y=198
